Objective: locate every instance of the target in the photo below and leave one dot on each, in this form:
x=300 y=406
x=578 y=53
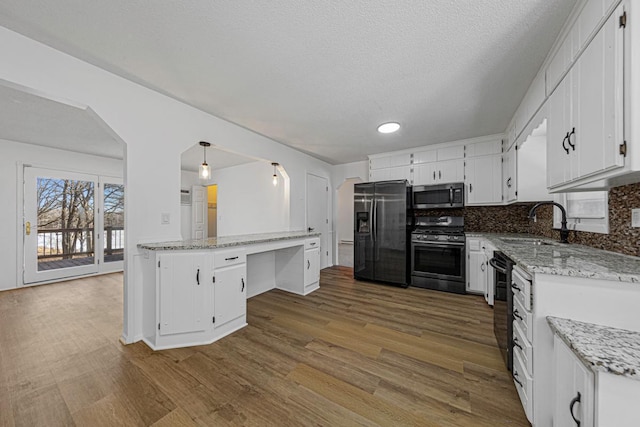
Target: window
x=586 y=211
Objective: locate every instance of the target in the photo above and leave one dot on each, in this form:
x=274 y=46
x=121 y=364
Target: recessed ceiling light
x=388 y=127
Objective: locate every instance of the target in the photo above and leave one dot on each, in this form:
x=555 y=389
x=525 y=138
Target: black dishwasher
x=503 y=305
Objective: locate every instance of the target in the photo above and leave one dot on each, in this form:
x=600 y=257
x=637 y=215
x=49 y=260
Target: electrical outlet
x=165 y=218
x=635 y=218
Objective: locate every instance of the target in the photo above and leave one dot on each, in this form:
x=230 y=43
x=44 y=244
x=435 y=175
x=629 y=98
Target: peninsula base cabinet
x=189 y=301
x=197 y=296
x=591 y=399
x=612 y=303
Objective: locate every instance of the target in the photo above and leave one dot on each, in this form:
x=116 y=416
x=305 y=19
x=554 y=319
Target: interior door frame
x=37 y=277
x=324 y=255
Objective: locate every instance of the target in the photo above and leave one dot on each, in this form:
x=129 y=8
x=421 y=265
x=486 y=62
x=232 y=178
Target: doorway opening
x=212 y=210
x=345 y=222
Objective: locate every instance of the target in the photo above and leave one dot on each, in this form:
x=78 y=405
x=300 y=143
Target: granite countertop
x=221 y=242
x=602 y=348
x=553 y=257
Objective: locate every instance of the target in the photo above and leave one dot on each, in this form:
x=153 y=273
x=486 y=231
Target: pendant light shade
x=205 y=170
x=275 y=176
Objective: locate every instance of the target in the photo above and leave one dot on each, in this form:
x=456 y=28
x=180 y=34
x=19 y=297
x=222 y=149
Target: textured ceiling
x=32 y=119
x=317 y=75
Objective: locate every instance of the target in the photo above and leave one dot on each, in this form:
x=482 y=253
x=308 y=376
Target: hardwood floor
x=351 y=353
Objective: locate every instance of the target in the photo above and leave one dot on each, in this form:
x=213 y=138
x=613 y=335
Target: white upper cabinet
x=509 y=175
x=586 y=112
x=438 y=166
x=390 y=166
x=484 y=180
x=483 y=172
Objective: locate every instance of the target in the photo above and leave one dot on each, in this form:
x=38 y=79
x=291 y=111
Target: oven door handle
x=494 y=264
x=436 y=244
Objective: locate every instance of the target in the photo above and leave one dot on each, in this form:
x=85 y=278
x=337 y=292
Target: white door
x=484 y=176
x=199 y=212
x=230 y=294
x=318 y=213
x=59 y=224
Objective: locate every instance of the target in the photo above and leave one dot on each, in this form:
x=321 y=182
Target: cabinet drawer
x=312 y=243
x=521 y=288
x=523 y=346
x=473 y=244
x=524 y=385
x=523 y=319
x=225 y=258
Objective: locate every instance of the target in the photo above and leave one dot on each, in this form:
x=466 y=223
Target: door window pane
x=113 y=222
x=65 y=223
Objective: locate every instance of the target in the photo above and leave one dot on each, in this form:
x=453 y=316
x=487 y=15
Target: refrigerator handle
x=451 y=196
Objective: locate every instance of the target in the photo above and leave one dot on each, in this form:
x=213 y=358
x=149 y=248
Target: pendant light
x=205 y=170
x=275 y=176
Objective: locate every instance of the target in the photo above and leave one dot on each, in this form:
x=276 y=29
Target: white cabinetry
x=523 y=373
x=488 y=249
x=184 y=288
x=483 y=178
x=229 y=284
x=483 y=173
x=586 y=110
x=477 y=266
x=438 y=166
x=311 y=265
x=574 y=385
x=385 y=167
x=509 y=175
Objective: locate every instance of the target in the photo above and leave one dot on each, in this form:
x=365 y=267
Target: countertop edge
x=495 y=239
x=248 y=239
x=622 y=368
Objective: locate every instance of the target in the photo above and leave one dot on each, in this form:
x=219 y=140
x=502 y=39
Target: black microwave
x=438 y=196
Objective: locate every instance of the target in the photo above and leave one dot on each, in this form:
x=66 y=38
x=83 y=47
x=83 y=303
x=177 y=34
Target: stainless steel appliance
x=438 y=254
x=382 y=214
x=438 y=196
x=503 y=305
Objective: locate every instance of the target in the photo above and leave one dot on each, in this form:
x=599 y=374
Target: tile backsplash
x=514 y=219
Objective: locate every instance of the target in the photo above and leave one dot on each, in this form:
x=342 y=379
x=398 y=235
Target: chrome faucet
x=564 y=231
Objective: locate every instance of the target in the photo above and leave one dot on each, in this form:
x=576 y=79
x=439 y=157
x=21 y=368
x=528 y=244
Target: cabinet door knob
x=571 y=405
x=434 y=175
x=482 y=266
x=440 y=174
x=198 y=276
x=242 y=280
x=308 y=264
x=470 y=188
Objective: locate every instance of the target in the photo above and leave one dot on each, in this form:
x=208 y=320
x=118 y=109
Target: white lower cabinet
x=574 y=387
x=230 y=294
x=477 y=267
x=184 y=291
x=311 y=265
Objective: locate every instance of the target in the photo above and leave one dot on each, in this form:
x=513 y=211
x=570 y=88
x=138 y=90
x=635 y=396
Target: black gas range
x=438 y=254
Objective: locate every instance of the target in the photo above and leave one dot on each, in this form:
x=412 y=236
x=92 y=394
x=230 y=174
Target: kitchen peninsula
x=195 y=291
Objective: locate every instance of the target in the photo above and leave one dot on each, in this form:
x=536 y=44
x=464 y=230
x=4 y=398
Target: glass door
x=59 y=224
x=112 y=215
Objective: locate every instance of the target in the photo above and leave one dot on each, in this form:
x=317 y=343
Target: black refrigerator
x=382 y=229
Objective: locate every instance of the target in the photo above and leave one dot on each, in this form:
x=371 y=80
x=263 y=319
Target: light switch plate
x=635 y=218
x=165 y=218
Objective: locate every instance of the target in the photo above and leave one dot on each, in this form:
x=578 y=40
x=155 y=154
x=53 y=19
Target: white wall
x=248 y=202
x=156 y=130
x=14 y=153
